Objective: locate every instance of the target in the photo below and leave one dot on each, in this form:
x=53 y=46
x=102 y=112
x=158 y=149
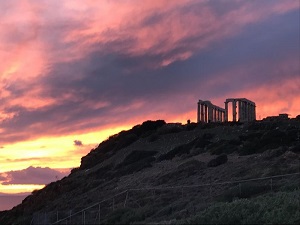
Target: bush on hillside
x=221 y=159
x=191 y=126
x=135 y=156
x=244 y=190
x=295 y=148
x=147 y=127
x=224 y=146
x=153 y=137
x=278 y=208
x=170 y=129
x=177 y=151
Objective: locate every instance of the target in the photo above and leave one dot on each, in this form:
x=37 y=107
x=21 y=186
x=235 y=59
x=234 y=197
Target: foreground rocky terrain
x=173 y=173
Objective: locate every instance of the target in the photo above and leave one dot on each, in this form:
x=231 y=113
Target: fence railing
x=135 y=198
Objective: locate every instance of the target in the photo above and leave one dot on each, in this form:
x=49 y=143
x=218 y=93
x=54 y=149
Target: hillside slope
x=170 y=172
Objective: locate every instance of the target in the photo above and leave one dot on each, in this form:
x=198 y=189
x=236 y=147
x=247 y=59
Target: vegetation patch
x=221 y=159
x=274 y=208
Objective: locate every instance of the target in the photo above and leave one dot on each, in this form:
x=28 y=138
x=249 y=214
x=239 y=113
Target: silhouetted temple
x=243 y=110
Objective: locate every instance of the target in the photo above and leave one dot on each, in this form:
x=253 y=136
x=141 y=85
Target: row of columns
x=207 y=112
x=246 y=109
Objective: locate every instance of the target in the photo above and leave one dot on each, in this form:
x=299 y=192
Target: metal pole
x=70 y=216
x=240 y=189
x=99 y=213
x=126 y=199
x=113 y=204
x=271 y=184
x=83 y=217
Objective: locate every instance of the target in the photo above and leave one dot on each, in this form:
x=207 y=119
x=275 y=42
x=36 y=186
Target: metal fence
x=183 y=200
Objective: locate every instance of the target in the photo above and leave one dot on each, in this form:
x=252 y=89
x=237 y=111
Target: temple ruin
x=243 y=110
x=208 y=112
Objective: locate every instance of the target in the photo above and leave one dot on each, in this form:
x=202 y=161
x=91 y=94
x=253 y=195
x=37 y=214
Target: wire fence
x=158 y=203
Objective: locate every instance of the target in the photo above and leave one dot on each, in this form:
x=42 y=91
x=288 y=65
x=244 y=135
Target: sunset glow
x=72 y=73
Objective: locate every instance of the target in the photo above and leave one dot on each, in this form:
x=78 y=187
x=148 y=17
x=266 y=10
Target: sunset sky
x=73 y=72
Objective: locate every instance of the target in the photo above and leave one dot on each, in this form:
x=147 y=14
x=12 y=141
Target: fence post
x=83 y=217
x=271 y=184
x=56 y=216
x=126 y=198
x=99 y=213
x=113 y=204
x=70 y=214
x=240 y=189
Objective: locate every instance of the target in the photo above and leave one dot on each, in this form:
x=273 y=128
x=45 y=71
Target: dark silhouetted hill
x=160 y=155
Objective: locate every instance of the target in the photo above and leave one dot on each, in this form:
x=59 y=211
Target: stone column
x=198 y=112
x=245 y=111
x=251 y=112
x=210 y=114
x=226 y=112
x=240 y=116
x=234 y=110
x=215 y=115
x=205 y=113
x=248 y=111
x=202 y=113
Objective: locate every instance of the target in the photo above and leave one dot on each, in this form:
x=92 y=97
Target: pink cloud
x=31 y=175
x=54 y=32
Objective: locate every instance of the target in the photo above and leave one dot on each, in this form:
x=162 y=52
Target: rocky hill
x=174 y=173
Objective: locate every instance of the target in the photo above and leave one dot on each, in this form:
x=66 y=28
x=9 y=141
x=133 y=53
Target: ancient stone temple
x=243 y=110
x=208 y=112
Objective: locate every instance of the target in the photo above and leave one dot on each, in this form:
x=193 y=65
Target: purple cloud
x=31 y=175
x=78 y=143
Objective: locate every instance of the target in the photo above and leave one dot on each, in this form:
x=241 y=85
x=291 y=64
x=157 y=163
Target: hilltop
x=174 y=173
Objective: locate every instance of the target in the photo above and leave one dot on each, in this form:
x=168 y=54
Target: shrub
x=221 y=159
x=147 y=127
x=170 y=128
x=123 y=216
x=153 y=137
x=295 y=149
x=224 y=146
x=177 y=151
x=243 y=190
x=135 y=156
x=203 y=141
x=278 y=208
x=191 y=126
x=125 y=141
